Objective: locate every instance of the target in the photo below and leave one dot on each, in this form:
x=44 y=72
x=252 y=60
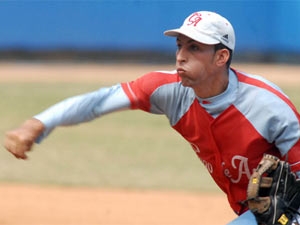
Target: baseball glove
x=273 y=193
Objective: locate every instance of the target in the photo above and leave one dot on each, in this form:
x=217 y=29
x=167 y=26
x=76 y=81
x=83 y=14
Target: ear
x=222 y=56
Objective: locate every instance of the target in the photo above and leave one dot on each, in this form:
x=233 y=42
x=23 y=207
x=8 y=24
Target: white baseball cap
x=207 y=28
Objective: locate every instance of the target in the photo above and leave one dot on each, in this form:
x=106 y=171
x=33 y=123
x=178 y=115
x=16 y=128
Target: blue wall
x=260 y=25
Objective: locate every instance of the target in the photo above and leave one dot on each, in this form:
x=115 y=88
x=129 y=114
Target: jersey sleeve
x=285 y=128
x=83 y=108
x=287 y=131
x=276 y=118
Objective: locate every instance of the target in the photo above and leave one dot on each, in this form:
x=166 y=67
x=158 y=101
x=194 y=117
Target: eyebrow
x=189 y=41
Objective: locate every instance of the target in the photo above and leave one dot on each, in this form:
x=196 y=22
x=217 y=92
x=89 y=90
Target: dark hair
x=221 y=46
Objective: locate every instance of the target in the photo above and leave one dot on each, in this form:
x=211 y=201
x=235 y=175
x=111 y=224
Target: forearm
x=83 y=108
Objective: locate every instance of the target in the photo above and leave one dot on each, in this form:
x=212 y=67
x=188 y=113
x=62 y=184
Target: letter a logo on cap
x=194 y=19
x=225 y=38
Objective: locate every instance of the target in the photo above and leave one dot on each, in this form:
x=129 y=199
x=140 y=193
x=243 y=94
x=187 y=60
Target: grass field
x=123 y=169
x=131 y=149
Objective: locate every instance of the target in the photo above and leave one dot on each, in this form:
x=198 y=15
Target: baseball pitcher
x=242 y=127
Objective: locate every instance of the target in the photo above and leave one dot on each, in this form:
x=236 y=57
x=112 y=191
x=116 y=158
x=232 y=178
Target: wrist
x=35 y=126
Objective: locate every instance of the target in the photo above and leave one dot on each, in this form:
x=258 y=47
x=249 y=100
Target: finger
x=17 y=147
x=23 y=156
x=18 y=153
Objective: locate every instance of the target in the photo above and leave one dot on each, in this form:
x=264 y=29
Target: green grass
x=130 y=149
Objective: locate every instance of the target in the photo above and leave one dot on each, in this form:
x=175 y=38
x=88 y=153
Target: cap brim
x=199 y=37
x=172 y=33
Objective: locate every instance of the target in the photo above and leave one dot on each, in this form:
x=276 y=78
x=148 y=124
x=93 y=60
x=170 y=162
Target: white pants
x=248 y=218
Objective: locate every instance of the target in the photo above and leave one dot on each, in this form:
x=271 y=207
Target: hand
x=19 y=141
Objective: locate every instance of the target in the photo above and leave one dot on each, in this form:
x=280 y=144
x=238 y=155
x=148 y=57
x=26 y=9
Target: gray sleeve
x=83 y=108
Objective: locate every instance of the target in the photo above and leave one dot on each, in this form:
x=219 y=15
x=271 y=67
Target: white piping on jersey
x=296 y=163
x=167 y=72
x=131 y=92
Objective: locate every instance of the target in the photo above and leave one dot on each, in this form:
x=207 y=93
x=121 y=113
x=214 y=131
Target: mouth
x=180 y=71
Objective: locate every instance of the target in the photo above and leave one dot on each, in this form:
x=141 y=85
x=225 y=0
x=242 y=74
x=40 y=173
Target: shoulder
x=259 y=97
x=255 y=80
x=159 y=77
x=160 y=84
x=153 y=80
x=260 y=87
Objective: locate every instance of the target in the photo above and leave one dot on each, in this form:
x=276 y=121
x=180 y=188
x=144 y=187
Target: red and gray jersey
x=229 y=132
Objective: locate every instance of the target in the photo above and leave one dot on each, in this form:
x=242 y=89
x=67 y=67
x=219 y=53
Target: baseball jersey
x=229 y=132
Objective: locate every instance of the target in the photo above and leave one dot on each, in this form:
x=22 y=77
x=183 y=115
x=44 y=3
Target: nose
x=181 y=55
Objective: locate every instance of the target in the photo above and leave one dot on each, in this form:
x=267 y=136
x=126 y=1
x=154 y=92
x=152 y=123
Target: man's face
x=195 y=62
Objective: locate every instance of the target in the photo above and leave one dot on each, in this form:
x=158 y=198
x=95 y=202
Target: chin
x=185 y=84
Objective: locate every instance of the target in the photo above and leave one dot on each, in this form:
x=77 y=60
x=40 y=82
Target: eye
x=194 y=47
x=178 y=45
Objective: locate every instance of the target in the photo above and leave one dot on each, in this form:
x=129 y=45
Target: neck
x=213 y=87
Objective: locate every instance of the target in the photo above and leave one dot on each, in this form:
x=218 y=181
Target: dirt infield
x=42 y=205
x=23 y=204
